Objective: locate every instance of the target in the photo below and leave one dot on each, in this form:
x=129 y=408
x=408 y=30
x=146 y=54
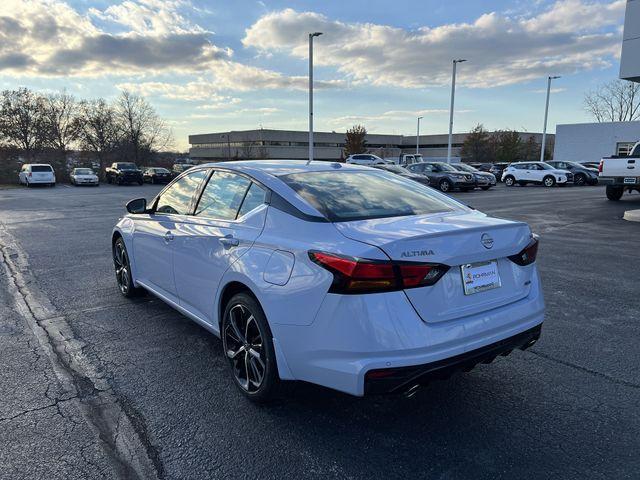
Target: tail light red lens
x=528 y=255
x=357 y=275
x=600 y=166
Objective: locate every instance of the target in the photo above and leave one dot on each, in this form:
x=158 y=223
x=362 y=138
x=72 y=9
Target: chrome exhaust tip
x=411 y=391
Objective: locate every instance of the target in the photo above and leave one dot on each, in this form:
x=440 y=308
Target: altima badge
x=487 y=241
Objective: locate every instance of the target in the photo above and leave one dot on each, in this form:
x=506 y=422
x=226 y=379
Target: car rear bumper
x=398 y=380
x=355 y=334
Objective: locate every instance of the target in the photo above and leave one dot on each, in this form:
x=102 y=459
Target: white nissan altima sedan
x=340 y=275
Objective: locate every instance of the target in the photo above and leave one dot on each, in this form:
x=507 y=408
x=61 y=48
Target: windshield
x=127 y=166
x=466 y=168
x=83 y=171
x=347 y=196
x=545 y=166
x=446 y=167
x=161 y=170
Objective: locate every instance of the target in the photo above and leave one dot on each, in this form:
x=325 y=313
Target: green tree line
x=482 y=146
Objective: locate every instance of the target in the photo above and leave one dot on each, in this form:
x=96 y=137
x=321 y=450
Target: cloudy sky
x=240 y=64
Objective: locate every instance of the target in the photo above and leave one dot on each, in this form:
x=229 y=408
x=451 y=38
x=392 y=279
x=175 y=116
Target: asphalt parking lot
x=95 y=386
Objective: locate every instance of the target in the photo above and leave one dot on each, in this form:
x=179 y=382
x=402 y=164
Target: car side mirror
x=138 y=205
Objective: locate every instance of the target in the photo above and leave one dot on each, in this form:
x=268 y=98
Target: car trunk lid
x=453 y=239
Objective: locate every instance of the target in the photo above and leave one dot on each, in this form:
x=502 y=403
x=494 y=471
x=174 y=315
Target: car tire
x=26 y=182
x=509 y=180
x=248 y=346
x=614 y=192
x=549 y=181
x=445 y=185
x=579 y=179
x=153 y=181
x=123 y=270
x=485 y=188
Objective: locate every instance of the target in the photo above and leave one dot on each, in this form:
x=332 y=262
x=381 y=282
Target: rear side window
x=177 y=198
x=345 y=196
x=253 y=199
x=41 y=168
x=223 y=196
x=636 y=151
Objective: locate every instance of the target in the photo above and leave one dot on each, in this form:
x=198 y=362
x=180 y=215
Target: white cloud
x=49 y=38
x=570 y=36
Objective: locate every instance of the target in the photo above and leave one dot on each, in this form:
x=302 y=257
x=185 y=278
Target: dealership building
x=584 y=142
x=290 y=144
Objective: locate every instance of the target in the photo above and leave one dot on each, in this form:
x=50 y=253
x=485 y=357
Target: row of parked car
x=119 y=173
x=465 y=177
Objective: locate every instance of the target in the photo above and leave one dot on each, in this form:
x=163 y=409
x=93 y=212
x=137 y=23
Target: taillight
x=600 y=166
x=29 y=173
x=358 y=275
x=528 y=255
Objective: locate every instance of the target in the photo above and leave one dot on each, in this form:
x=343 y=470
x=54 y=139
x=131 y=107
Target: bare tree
x=22 y=120
x=616 y=101
x=60 y=121
x=98 y=130
x=143 y=131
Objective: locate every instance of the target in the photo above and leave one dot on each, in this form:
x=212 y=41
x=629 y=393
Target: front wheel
x=123 y=270
x=614 y=193
x=549 y=181
x=248 y=346
x=445 y=185
x=579 y=180
x=509 y=181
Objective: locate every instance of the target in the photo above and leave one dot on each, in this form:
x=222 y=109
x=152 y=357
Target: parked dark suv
x=444 y=176
x=123 y=172
x=582 y=175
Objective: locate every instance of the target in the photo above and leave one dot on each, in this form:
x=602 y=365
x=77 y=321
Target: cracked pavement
x=96 y=386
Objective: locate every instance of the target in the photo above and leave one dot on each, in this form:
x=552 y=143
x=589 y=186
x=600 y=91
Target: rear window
x=127 y=166
x=41 y=168
x=347 y=196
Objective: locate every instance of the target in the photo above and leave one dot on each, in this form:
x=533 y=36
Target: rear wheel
x=445 y=185
x=509 y=181
x=549 y=181
x=614 y=193
x=248 y=346
x=123 y=270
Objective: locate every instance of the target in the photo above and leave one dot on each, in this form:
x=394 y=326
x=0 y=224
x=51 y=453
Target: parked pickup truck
x=123 y=172
x=405 y=159
x=623 y=173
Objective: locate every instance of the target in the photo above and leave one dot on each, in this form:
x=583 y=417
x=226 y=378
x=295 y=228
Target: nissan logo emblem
x=487 y=241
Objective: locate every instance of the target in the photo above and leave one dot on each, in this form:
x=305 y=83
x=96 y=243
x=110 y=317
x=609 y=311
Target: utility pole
x=453 y=96
x=546 y=115
x=311 y=36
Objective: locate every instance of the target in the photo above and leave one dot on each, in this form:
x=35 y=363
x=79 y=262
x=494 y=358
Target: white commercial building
x=630 y=61
x=589 y=142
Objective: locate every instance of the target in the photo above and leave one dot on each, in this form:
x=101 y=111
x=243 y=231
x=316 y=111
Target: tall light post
x=418 y=136
x=546 y=115
x=453 y=96
x=311 y=35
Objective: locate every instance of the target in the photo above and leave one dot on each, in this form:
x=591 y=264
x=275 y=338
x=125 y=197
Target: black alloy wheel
x=123 y=270
x=248 y=346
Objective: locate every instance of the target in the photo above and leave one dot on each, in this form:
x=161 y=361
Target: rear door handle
x=168 y=237
x=228 y=241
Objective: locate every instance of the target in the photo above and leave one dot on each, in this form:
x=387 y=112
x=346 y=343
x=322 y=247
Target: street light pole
x=546 y=115
x=453 y=96
x=418 y=136
x=311 y=35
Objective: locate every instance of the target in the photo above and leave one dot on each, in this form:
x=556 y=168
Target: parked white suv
x=365 y=159
x=37 y=173
x=535 y=172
